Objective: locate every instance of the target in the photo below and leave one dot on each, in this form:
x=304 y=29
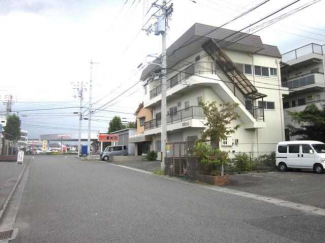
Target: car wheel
x=319 y=169
x=105 y=158
x=282 y=167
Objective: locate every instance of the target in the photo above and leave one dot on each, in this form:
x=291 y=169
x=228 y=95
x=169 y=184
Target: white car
x=301 y=155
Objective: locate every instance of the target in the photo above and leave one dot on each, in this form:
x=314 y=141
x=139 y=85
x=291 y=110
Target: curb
x=3 y=209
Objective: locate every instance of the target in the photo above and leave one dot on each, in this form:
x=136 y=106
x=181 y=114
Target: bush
x=158 y=172
x=152 y=156
x=267 y=160
x=243 y=162
x=210 y=159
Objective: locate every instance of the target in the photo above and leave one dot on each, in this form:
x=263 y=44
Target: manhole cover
x=5 y=235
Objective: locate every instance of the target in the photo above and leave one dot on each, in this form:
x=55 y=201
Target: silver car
x=111 y=151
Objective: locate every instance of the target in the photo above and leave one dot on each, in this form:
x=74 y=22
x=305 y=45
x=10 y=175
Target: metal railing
x=302 y=51
x=200 y=67
x=193 y=112
x=300 y=82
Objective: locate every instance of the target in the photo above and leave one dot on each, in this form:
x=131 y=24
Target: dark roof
x=193 y=39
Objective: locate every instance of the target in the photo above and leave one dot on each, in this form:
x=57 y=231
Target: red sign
x=108 y=138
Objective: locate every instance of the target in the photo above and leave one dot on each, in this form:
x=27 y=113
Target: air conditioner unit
x=156 y=76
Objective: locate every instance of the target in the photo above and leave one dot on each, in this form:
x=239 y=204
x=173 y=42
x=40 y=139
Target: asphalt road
x=68 y=200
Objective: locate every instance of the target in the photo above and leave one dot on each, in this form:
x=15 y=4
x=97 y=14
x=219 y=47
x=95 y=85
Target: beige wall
x=143 y=113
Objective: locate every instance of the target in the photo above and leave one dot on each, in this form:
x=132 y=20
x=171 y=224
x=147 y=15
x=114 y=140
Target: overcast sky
x=48 y=44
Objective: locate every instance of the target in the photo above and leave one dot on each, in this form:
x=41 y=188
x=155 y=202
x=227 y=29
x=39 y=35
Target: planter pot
x=213 y=180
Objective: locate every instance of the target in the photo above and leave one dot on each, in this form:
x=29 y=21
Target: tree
x=311 y=121
x=115 y=124
x=217 y=122
x=12 y=128
x=130 y=125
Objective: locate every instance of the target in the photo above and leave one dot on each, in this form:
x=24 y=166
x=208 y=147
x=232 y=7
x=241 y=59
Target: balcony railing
x=201 y=67
x=302 y=51
x=193 y=112
x=300 y=82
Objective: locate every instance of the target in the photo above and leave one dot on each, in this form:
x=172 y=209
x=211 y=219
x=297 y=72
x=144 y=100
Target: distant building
x=23 y=140
x=302 y=71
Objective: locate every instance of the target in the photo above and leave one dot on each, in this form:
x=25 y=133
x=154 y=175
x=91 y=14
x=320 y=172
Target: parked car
x=301 y=155
x=111 y=151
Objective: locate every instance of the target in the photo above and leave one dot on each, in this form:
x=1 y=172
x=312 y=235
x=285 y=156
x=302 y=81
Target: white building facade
x=204 y=65
x=302 y=71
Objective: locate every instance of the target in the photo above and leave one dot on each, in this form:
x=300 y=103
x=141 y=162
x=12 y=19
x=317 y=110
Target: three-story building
x=214 y=64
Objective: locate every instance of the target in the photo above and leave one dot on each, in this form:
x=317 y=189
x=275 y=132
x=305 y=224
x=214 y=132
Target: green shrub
x=267 y=160
x=210 y=159
x=152 y=156
x=158 y=172
x=243 y=162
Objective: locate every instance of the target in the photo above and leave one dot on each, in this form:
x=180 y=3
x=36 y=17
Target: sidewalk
x=9 y=172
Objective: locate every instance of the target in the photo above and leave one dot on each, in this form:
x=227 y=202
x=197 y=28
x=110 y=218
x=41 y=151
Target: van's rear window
x=282 y=149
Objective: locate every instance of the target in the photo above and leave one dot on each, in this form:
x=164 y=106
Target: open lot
x=302 y=187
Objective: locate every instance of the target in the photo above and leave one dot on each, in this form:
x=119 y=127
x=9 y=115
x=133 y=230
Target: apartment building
x=302 y=71
x=142 y=143
x=214 y=64
x=23 y=140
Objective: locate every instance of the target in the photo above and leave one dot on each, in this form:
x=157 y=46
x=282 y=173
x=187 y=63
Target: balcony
x=193 y=112
x=197 y=68
x=303 y=54
x=309 y=82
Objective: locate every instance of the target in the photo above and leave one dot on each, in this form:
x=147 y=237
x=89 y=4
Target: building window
x=266 y=105
x=248 y=69
x=142 y=121
x=286 y=105
x=265 y=71
x=258 y=70
x=302 y=101
x=273 y=71
x=173 y=111
x=293 y=103
x=199 y=100
x=249 y=105
x=197 y=58
x=309 y=97
x=179 y=104
x=187 y=104
x=227 y=142
x=158 y=116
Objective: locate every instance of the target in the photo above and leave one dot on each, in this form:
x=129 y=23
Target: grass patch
x=158 y=172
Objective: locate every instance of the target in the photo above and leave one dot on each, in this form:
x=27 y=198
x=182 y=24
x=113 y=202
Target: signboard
x=20 y=157
x=108 y=137
x=61 y=136
x=44 y=147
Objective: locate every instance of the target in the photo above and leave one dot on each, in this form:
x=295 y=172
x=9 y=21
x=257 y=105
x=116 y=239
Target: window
x=302 y=101
x=248 y=69
x=173 y=110
x=286 y=105
x=117 y=148
x=282 y=149
x=141 y=121
x=158 y=116
x=266 y=105
x=187 y=104
x=179 y=104
x=197 y=58
x=124 y=147
x=309 y=97
x=293 y=103
x=227 y=142
x=249 y=105
x=306 y=149
x=258 y=70
x=199 y=100
x=320 y=148
x=265 y=71
x=273 y=71
x=293 y=149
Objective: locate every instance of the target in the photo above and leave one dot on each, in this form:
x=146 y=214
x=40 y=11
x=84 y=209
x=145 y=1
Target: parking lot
x=304 y=187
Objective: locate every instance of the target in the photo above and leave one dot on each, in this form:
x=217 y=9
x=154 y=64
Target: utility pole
x=80 y=94
x=160 y=28
x=90 y=106
x=8 y=103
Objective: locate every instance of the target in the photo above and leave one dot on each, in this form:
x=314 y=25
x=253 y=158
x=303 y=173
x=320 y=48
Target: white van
x=301 y=155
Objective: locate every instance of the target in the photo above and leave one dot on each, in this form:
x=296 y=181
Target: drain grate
x=5 y=235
